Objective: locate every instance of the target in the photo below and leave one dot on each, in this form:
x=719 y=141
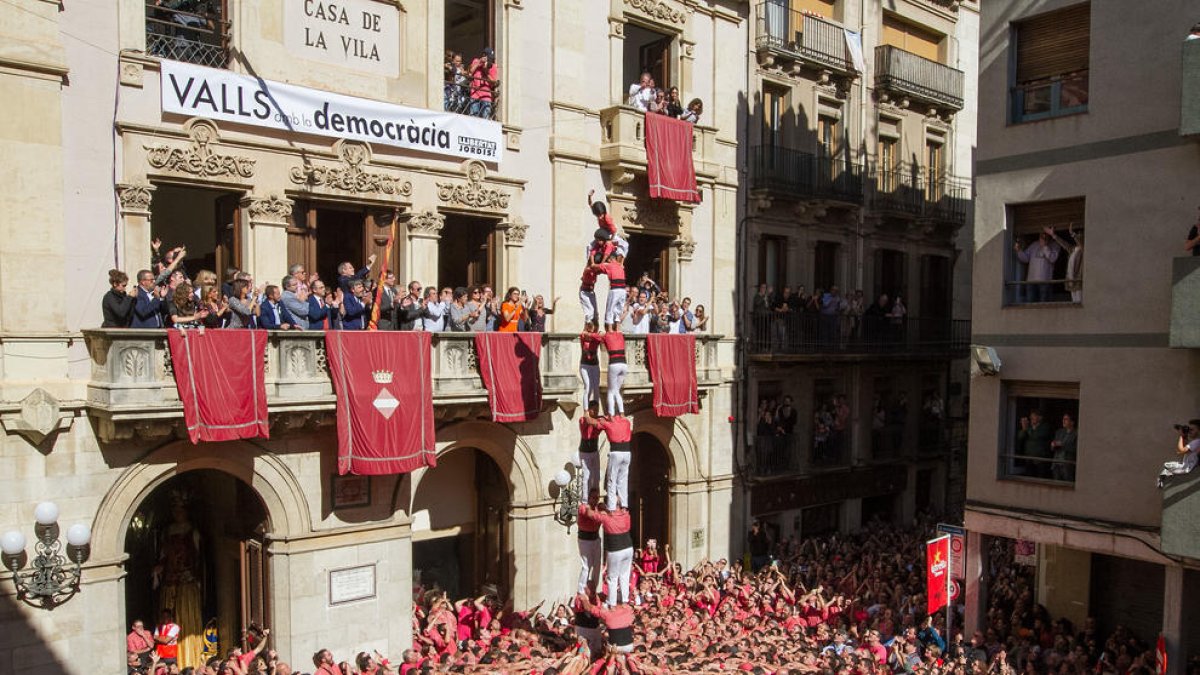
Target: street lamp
x=570 y=494
x=53 y=578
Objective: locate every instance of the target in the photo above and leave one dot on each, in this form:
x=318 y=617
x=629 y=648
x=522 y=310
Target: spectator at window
x=641 y=93
x=485 y=76
x=674 y=106
x=1187 y=448
x=356 y=306
x=117 y=306
x=182 y=309
x=215 y=304
x=295 y=301
x=243 y=305
x=1064 y=448
x=512 y=311
x=456 y=86
x=695 y=108
x=1039 y=258
x=1033 y=441
x=275 y=316
x=538 y=313
x=1074 y=282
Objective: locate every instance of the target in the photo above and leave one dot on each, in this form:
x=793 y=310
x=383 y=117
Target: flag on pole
x=387 y=255
x=937 y=573
x=1160 y=655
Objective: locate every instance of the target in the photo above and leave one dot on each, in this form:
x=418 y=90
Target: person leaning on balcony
x=695 y=108
x=1188 y=450
x=485 y=76
x=641 y=93
x=117 y=306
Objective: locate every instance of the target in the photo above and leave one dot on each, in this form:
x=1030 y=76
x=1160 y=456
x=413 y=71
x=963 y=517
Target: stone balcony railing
x=623 y=144
x=132 y=387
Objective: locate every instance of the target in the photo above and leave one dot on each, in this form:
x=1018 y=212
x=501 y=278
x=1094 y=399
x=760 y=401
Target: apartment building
x=131 y=121
x=861 y=130
x=1087 y=123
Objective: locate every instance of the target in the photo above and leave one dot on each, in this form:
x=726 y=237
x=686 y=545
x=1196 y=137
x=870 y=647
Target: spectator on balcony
x=538 y=312
x=346 y=273
x=1039 y=258
x=1194 y=34
x=456 y=87
x=458 y=317
x=275 y=316
x=687 y=319
x=875 y=318
x=433 y=311
x=641 y=314
x=295 y=301
x=512 y=311
x=700 y=324
x=203 y=278
x=695 y=108
x=476 y=311
x=766 y=439
x=297 y=271
x=183 y=310
x=1187 y=448
x=148 y=308
x=117 y=306
x=833 y=306
x=641 y=93
x=674 y=106
x=896 y=319
x=408 y=314
x=1074 y=282
x=658 y=105
x=387 y=302
x=485 y=77
x=491 y=307
x=212 y=300
x=783 y=308
x=1064 y=446
x=1033 y=442
x=243 y=305
x=322 y=313
x=356 y=306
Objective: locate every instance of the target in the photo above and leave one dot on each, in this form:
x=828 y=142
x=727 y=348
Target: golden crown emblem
x=382 y=376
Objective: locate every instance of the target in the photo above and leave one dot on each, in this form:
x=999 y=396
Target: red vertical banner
x=1160 y=655
x=937 y=573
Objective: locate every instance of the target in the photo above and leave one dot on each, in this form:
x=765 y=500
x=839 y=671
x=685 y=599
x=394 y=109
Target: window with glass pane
x=1041 y=434
x=1050 y=53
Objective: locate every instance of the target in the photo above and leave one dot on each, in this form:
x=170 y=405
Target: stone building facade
x=97 y=165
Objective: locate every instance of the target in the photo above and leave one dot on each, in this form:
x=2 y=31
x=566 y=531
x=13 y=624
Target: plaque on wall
x=350 y=491
x=350 y=584
x=362 y=35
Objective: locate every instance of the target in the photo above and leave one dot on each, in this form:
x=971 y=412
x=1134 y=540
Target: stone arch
x=507 y=449
x=285 y=502
x=677 y=439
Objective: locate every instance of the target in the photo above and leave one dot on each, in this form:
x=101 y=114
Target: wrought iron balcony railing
x=918 y=77
x=787 y=31
x=802 y=333
x=805 y=175
x=200 y=36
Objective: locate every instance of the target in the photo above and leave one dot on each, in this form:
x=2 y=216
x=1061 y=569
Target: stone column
x=686 y=60
x=424 y=232
x=511 y=240
x=1172 y=618
x=510 y=79
x=135 y=201
x=267 y=218
x=530 y=525
x=616 y=61
x=681 y=259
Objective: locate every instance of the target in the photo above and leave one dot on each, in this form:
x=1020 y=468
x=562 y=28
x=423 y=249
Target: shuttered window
x=1053 y=44
x=1059 y=214
x=911 y=38
x=823 y=8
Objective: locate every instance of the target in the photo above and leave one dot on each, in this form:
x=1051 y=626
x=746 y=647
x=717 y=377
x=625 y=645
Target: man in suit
x=346 y=273
x=356 y=307
x=410 y=308
x=387 y=302
x=321 y=316
x=274 y=315
x=147 y=309
x=295 y=300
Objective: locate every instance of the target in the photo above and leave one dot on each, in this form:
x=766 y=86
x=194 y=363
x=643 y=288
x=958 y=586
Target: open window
x=466 y=252
x=1041 y=432
x=647 y=51
x=772 y=262
x=205 y=221
x=469 y=30
x=1050 y=64
x=1045 y=252
x=649 y=254
x=194 y=31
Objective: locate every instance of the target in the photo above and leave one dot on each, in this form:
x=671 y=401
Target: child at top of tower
x=604 y=223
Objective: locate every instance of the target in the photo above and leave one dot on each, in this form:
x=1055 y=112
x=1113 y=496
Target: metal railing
x=782 y=454
x=199 y=36
x=1035 y=292
x=1015 y=465
x=472 y=96
x=812 y=333
x=918 y=77
x=909 y=189
x=1065 y=95
x=805 y=174
x=785 y=29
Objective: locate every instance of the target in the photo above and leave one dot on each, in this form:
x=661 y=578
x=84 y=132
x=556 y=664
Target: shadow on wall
x=23 y=647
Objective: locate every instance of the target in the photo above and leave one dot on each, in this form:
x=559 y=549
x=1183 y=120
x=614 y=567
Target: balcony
x=1185 y=302
x=132 y=388
x=907 y=75
x=933 y=205
x=789 y=37
x=623 y=145
x=789 y=454
x=1181 y=515
x=794 y=174
x=804 y=336
x=193 y=37
x=1189 y=114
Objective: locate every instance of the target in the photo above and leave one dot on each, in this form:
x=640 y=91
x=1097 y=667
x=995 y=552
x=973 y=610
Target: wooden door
x=255 y=589
x=302 y=236
x=228 y=234
x=656 y=60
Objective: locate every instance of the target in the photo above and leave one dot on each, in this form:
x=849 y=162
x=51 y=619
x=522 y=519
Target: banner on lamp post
x=937 y=573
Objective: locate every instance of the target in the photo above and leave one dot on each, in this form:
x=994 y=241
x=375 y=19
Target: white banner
x=196 y=91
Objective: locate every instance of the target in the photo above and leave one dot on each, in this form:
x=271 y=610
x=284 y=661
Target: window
x=1051 y=64
x=825 y=265
x=1041 y=434
x=207 y=222
x=774 y=106
x=772 y=262
x=891 y=274
x=911 y=38
x=196 y=31
x=469 y=29
x=1046 y=266
x=648 y=51
x=935 y=166
x=888 y=154
x=649 y=254
x=828 y=136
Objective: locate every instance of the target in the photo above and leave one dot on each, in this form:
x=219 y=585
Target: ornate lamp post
x=570 y=494
x=53 y=578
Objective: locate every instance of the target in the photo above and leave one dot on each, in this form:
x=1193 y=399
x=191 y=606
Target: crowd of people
x=166 y=297
x=646 y=96
x=787 y=320
x=471 y=89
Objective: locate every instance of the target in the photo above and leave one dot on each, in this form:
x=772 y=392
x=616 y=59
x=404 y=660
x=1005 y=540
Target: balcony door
x=322 y=236
x=647 y=51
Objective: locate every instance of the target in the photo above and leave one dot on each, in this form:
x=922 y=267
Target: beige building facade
x=860 y=132
x=1080 y=132
x=99 y=162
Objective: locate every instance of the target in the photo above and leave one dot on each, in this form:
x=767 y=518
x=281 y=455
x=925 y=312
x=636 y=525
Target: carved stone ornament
x=653 y=216
x=40 y=415
x=350 y=176
x=473 y=194
x=656 y=9
x=426 y=224
x=686 y=247
x=199 y=159
x=135 y=198
x=272 y=209
x=514 y=231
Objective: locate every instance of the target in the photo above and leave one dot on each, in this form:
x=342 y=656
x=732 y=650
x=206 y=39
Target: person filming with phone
x=1187 y=448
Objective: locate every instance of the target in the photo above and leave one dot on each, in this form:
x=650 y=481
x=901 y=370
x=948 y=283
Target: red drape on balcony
x=672 y=363
x=219 y=375
x=508 y=363
x=669 y=165
x=384 y=389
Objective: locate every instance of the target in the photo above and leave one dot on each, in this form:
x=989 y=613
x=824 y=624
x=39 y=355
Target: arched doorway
x=649 y=495
x=460 y=516
x=196 y=544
